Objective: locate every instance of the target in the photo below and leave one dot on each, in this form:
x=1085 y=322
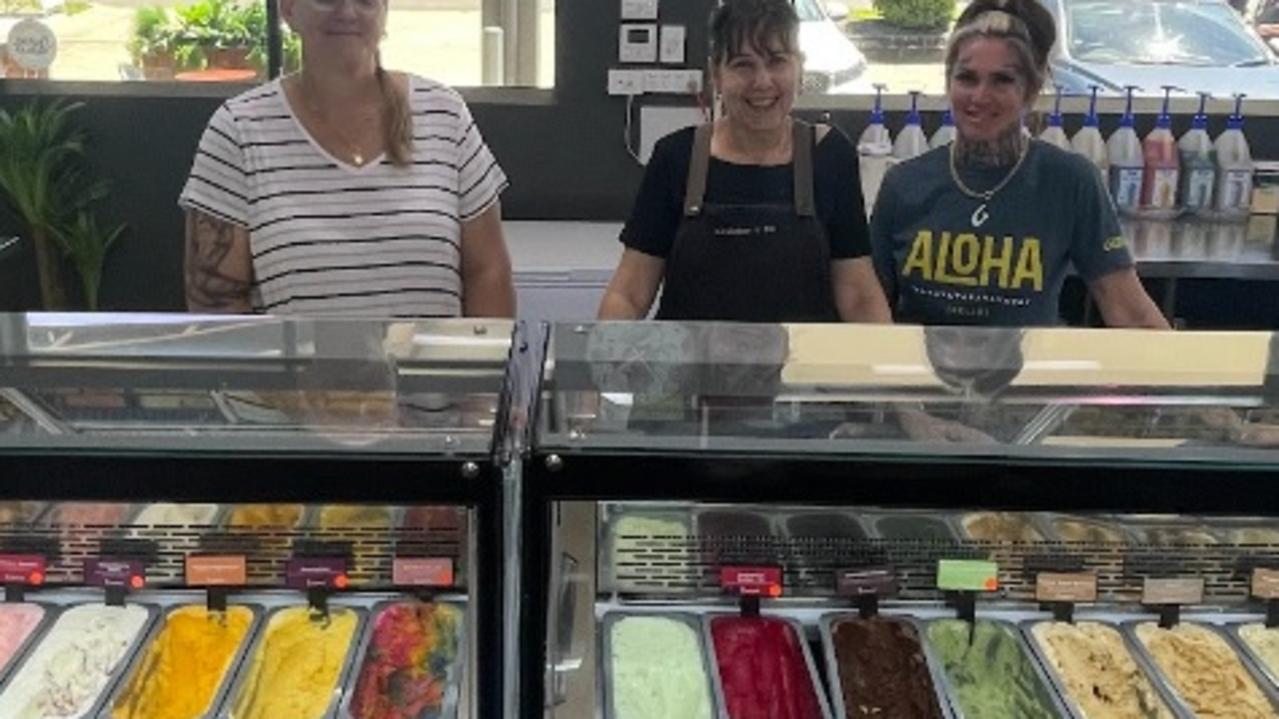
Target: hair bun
x=1037 y=19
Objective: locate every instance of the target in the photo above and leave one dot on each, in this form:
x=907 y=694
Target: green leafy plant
x=917 y=14
x=20 y=7
x=46 y=182
x=87 y=244
x=154 y=33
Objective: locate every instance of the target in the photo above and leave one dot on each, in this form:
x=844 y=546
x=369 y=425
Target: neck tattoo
x=982 y=213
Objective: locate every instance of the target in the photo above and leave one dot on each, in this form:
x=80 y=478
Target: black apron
x=749 y=263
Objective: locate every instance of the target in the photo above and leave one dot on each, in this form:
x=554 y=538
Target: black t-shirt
x=837 y=192
x=942 y=261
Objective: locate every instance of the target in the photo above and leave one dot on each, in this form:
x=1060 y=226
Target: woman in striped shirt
x=345 y=189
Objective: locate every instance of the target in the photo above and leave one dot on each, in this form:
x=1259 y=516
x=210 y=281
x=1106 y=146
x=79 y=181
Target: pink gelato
x=17 y=621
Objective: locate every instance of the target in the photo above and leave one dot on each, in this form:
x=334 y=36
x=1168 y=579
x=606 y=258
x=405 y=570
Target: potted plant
x=152 y=43
x=42 y=177
x=87 y=244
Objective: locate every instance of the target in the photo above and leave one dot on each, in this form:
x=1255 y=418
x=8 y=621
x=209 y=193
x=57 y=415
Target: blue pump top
x=1090 y=120
x=1235 y=122
x=913 y=117
x=1200 y=121
x=1054 y=120
x=1165 y=117
x=1128 y=120
x=877 y=114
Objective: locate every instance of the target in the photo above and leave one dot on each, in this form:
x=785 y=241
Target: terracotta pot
x=158 y=66
x=229 y=58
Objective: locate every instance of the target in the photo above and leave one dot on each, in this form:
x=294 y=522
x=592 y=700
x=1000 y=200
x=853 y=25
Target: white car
x=832 y=63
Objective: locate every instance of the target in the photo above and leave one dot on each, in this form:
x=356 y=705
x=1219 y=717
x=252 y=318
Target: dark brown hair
x=758 y=24
x=1027 y=27
x=397 y=119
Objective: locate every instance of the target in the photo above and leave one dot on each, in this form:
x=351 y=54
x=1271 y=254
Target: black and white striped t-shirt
x=329 y=238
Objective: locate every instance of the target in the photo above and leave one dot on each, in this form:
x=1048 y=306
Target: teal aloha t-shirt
x=944 y=260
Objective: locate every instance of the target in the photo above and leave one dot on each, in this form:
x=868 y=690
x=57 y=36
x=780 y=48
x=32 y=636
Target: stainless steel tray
x=957 y=709
x=1059 y=684
x=1178 y=703
x=113 y=677
x=245 y=675
x=796 y=627
x=228 y=677
x=604 y=668
x=453 y=691
x=935 y=672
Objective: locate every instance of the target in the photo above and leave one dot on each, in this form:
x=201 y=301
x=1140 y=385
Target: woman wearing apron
x=755 y=217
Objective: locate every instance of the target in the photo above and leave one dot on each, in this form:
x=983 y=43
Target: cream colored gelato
x=70 y=668
x=1264 y=642
x=1205 y=672
x=1000 y=527
x=1098 y=672
x=165 y=513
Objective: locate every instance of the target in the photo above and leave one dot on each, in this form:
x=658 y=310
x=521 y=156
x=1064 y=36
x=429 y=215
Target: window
x=459 y=42
x=1199 y=45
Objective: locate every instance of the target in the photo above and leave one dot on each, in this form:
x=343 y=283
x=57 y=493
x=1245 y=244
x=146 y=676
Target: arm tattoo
x=211 y=286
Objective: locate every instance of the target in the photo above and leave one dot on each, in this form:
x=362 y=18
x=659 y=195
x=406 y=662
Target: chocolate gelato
x=882 y=670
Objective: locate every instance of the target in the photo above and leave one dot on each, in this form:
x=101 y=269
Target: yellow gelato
x=266 y=515
x=1098 y=671
x=1205 y=672
x=298 y=663
x=355 y=515
x=185 y=665
x=1264 y=642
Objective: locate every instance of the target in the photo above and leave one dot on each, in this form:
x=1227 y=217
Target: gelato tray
x=178 y=515
x=20 y=625
x=1084 y=529
x=186 y=668
x=882 y=668
x=990 y=672
x=823 y=525
x=354 y=516
x=411 y=662
x=1095 y=671
x=1001 y=527
x=764 y=669
x=1260 y=644
x=911 y=526
x=655 y=666
x=266 y=516
x=298 y=665
x=1204 y=674
x=80 y=656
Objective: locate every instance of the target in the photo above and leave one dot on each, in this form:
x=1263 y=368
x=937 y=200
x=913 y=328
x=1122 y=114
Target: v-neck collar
x=341 y=164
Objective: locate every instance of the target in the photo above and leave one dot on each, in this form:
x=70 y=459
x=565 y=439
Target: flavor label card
x=216 y=570
x=26 y=569
x=316 y=573
x=422 y=572
x=967 y=575
x=1173 y=591
x=866 y=582
x=752 y=581
x=1265 y=583
x=1056 y=587
x=114 y=573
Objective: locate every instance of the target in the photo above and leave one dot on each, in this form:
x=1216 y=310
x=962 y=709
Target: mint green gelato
x=659 y=670
x=993 y=677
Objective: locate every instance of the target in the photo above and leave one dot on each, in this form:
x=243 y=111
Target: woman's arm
x=634 y=285
x=858 y=296
x=1124 y=302
x=218 y=267
x=487 y=288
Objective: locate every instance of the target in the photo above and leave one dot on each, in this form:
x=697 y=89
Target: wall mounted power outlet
x=626 y=82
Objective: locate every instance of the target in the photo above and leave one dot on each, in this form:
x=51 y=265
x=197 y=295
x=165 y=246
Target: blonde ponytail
x=397 y=119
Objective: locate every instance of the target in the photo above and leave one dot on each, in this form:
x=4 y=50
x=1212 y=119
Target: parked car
x=1265 y=19
x=832 y=62
x=1198 y=45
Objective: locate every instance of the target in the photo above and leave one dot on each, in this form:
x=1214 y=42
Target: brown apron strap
x=802 y=154
x=698 y=167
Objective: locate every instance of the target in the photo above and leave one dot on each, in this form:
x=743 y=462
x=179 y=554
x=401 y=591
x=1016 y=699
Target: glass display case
x=251 y=517
x=820 y=520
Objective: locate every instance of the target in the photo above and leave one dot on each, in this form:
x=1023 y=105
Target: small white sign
x=32 y=44
x=639 y=9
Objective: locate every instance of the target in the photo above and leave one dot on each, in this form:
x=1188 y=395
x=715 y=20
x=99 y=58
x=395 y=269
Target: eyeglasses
x=364 y=7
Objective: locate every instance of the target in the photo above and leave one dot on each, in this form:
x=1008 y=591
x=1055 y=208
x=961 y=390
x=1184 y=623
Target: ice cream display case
x=729 y=522
x=251 y=518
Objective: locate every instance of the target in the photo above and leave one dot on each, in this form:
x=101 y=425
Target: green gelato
x=659 y=670
x=992 y=677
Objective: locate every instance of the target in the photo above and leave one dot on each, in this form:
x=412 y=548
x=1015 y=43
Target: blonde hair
x=1025 y=25
x=397 y=119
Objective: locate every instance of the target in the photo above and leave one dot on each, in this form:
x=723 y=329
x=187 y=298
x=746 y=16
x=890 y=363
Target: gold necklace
x=982 y=214
x=357 y=156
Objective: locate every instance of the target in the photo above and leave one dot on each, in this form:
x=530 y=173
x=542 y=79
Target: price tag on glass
x=115 y=573
x=24 y=569
x=216 y=570
x=316 y=573
x=1058 y=587
x=877 y=582
x=751 y=581
x=422 y=572
x=1181 y=591
x=1265 y=583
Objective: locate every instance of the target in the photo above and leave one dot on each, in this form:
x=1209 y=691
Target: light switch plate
x=637 y=42
x=626 y=82
x=671 y=44
x=639 y=9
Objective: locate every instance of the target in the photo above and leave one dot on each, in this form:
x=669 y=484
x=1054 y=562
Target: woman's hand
x=858 y=294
